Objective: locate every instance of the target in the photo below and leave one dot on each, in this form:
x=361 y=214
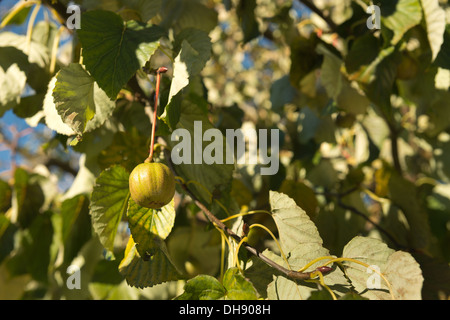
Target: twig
x=319 y=12
x=394 y=147
x=155 y=110
x=213 y=219
x=352 y=209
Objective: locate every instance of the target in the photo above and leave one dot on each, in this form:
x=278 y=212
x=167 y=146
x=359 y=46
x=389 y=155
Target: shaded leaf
x=237 y=287
x=33 y=256
x=404 y=194
x=212 y=178
x=195 y=247
x=76 y=225
x=28 y=198
x=182 y=14
x=127 y=149
x=246 y=13
x=303 y=195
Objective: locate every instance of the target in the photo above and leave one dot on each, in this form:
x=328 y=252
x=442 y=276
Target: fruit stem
x=155 y=111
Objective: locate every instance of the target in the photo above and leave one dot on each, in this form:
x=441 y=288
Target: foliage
x=360 y=205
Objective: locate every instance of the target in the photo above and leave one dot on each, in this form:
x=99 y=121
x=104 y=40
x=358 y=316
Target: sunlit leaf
x=435 y=20
x=78 y=99
x=149 y=226
x=399 y=268
x=12 y=83
x=142 y=273
x=194 y=48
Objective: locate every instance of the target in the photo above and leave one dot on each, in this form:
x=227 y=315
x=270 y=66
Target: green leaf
x=237 y=287
x=443 y=58
x=435 y=21
x=303 y=195
x=281 y=93
x=373 y=252
x=183 y=14
x=202 y=287
x=108 y=203
x=113 y=50
x=33 y=254
x=37 y=52
x=5 y=196
x=78 y=99
x=211 y=179
x=28 y=198
x=282 y=288
x=127 y=149
x=330 y=73
x=299 y=238
x=405 y=276
x=7 y=233
x=375 y=74
x=149 y=272
x=304 y=59
x=400 y=16
x=301 y=243
x=194 y=246
x=404 y=194
x=147 y=9
x=150 y=226
x=52 y=118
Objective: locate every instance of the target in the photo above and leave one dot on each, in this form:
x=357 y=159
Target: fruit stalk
x=155 y=111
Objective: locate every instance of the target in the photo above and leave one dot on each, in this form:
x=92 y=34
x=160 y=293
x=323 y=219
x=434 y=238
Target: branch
x=59 y=8
x=394 y=147
x=352 y=209
x=319 y=12
x=213 y=219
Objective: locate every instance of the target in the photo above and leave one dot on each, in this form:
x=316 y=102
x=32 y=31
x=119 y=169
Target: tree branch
x=59 y=8
x=394 y=147
x=213 y=219
x=319 y=12
x=352 y=209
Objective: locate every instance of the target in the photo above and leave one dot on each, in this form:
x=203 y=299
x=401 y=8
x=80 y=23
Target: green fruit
x=152 y=185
